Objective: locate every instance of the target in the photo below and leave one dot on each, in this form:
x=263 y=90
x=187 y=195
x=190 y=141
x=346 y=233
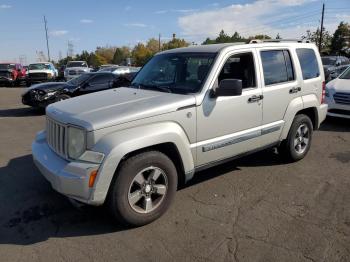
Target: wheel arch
x=168 y=138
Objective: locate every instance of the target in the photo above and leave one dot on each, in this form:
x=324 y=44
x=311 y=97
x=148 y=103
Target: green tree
x=141 y=54
x=261 y=37
x=223 y=37
x=120 y=55
x=314 y=37
x=340 y=43
x=153 y=45
x=175 y=43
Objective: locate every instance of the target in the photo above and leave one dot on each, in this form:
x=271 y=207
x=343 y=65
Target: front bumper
x=36 y=100
x=68 y=178
x=337 y=110
x=6 y=80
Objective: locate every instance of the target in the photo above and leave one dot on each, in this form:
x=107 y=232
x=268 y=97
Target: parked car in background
x=40 y=72
x=338 y=95
x=334 y=65
x=119 y=70
x=188 y=109
x=107 y=66
x=75 y=69
x=12 y=74
x=42 y=95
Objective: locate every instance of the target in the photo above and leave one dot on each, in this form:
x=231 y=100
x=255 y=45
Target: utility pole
x=47 y=39
x=321 y=30
x=159 y=42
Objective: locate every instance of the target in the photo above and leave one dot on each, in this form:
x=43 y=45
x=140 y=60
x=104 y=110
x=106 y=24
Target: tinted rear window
x=308 y=63
x=277 y=66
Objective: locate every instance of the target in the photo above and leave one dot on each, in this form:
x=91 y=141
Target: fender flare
x=116 y=145
x=293 y=108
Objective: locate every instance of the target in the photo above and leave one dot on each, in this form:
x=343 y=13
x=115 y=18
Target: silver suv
x=187 y=109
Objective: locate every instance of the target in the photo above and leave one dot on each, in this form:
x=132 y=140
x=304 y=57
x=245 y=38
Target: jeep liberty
x=187 y=109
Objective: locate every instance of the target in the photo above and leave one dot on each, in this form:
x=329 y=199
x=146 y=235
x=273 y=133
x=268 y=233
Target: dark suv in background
x=334 y=66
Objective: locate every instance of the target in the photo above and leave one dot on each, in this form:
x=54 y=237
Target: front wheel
x=298 y=142
x=143 y=188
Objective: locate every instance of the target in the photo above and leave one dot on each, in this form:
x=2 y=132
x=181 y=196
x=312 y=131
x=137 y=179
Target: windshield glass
x=7 y=66
x=180 y=73
x=76 y=64
x=79 y=80
x=329 y=60
x=345 y=74
x=39 y=66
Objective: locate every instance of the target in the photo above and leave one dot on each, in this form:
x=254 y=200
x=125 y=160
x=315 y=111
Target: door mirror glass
x=229 y=87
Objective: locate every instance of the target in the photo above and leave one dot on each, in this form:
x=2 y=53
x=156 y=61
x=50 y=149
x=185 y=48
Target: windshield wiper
x=154 y=87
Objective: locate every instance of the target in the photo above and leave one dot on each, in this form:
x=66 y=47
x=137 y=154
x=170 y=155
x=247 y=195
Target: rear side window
x=308 y=63
x=277 y=66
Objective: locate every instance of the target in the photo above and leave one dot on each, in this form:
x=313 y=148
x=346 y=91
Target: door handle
x=294 y=90
x=255 y=98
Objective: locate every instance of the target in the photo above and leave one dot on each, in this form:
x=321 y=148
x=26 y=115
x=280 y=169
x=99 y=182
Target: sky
x=90 y=23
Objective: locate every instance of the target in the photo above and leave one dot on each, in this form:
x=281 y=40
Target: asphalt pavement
x=257 y=208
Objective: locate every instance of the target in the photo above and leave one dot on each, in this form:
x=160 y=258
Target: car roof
x=215 y=48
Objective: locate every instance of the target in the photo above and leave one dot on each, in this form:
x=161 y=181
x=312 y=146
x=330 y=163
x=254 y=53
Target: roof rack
x=256 y=41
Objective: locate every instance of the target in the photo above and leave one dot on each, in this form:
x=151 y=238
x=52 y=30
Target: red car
x=12 y=74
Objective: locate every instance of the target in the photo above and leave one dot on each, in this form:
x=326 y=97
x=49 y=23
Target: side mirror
x=337 y=63
x=228 y=87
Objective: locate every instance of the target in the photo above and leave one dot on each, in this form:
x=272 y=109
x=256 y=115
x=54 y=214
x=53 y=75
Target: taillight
x=323 y=92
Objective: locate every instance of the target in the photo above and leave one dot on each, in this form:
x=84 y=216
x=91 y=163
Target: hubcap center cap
x=148 y=188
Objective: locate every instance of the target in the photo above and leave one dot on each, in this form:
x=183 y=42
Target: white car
x=75 y=69
x=338 y=95
x=40 y=72
x=120 y=70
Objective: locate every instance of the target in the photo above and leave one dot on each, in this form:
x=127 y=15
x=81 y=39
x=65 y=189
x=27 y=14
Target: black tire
x=62 y=97
x=287 y=149
x=123 y=181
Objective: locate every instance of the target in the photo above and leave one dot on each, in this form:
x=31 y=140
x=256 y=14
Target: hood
x=40 y=71
x=49 y=86
x=339 y=85
x=116 y=106
x=77 y=68
x=6 y=70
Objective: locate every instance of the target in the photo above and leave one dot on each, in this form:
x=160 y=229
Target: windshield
x=7 y=66
x=180 y=73
x=329 y=60
x=38 y=66
x=79 y=80
x=345 y=74
x=76 y=64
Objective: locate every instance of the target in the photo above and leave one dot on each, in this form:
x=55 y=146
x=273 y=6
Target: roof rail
x=256 y=41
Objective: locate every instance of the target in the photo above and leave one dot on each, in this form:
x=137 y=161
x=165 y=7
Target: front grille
x=5 y=74
x=342 y=98
x=38 y=75
x=72 y=72
x=56 y=137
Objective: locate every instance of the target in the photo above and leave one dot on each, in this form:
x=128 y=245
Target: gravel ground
x=252 y=209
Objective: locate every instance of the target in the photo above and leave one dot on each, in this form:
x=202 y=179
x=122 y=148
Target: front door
x=229 y=126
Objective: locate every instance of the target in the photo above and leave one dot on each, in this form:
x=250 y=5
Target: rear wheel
x=298 y=142
x=143 y=188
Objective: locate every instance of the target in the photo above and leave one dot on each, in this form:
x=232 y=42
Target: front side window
x=240 y=66
x=277 y=66
x=180 y=73
x=308 y=63
x=101 y=79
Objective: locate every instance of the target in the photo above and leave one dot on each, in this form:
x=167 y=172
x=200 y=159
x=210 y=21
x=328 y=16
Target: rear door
x=280 y=86
x=311 y=68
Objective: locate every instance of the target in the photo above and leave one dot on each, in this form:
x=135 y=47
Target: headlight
x=76 y=142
